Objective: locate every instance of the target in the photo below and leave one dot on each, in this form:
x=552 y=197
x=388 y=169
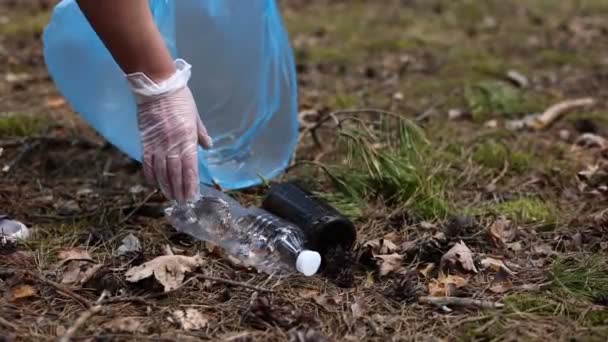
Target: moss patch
x=528 y=210
x=491 y=98
x=20 y=125
x=25 y=24
x=493 y=154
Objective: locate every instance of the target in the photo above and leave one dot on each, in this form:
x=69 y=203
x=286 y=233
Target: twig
x=234 y=283
x=494 y=181
x=7 y=324
x=83 y=318
x=555 y=111
x=138 y=207
x=457 y=301
x=47 y=139
x=60 y=288
x=22 y=153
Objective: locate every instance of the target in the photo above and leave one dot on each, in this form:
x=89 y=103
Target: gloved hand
x=170 y=132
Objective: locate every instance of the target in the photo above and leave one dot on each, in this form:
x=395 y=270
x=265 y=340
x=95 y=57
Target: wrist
x=152 y=84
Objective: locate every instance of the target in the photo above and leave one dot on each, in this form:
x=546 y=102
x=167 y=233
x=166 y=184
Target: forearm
x=127 y=29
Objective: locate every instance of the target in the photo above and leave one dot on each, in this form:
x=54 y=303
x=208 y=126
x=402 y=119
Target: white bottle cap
x=308 y=262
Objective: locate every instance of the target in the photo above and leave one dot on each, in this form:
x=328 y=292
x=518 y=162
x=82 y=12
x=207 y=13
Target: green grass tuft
x=583 y=278
x=397 y=171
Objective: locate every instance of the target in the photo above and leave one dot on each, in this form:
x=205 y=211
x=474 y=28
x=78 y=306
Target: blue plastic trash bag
x=243 y=81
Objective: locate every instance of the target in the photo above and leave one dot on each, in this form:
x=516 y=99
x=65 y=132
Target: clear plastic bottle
x=253 y=235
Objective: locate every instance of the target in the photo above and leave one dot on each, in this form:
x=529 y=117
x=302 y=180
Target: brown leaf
x=392 y=236
x=189 y=319
x=78 y=266
x=501 y=282
x=169 y=270
x=134 y=325
x=426 y=269
x=380 y=246
x=495 y=265
x=461 y=255
x=21 y=292
x=445 y=286
x=55 y=102
x=79 y=272
x=74 y=254
x=502 y=231
x=309 y=293
x=329 y=303
x=388 y=263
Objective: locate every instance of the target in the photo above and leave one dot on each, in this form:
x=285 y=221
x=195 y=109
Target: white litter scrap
x=11 y=230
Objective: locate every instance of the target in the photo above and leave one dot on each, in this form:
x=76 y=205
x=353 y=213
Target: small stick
x=462 y=302
x=62 y=289
x=7 y=324
x=80 y=142
x=145 y=299
x=22 y=153
x=139 y=206
x=83 y=318
x=554 y=112
x=233 y=283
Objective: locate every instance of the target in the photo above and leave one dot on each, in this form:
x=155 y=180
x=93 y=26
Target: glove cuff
x=145 y=89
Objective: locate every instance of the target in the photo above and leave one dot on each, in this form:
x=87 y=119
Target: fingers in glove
x=148 y=165
x=162 y=178
x=190 y=176
x=203 y=137
x=174 y=174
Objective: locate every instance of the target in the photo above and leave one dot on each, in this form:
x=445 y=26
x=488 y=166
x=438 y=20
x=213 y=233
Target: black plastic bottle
x=324 y=227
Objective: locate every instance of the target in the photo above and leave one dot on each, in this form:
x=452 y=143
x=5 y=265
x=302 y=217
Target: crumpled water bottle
x=252 y=235
x=243 y=81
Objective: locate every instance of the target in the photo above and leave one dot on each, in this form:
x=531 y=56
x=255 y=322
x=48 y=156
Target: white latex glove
x=170 y=132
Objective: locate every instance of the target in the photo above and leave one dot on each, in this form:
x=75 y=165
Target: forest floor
x=499 y=221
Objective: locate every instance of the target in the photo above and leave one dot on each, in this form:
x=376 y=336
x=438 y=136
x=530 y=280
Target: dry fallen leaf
x=78 y=266
x=388 y=263
x=21 y=292
x=590 y=140
x=358 y=308
x=309 y=293
x=495 y=265
x=461 y=255
x=501 y=282
x=126 y=325
x=169 y=270
x=79 y=272
x=55 y=102
x=74 y=254
x=189 y=319
x=502 y=231
x=426 y=269
x=329 y=303
x=445 y=286
x=380 y=246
